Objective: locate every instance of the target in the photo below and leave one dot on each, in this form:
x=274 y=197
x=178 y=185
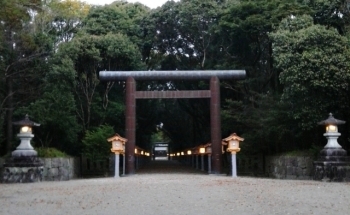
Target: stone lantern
x=333 y=159
x=23 y=165
x=233 y=146
x=25 y=149
x=118 y=147
x=332 y=134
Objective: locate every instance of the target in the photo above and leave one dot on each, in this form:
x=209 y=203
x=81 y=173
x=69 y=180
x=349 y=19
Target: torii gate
x=132 y=95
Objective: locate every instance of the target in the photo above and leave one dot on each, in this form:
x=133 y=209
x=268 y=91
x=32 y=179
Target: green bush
x=298 y=153
x=95 y=145
x=46 y=152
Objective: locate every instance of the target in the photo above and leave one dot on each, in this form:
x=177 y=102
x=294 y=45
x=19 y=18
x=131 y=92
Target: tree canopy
x=295 y=52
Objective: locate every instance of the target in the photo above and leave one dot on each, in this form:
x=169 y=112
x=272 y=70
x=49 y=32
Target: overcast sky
x=149 y=3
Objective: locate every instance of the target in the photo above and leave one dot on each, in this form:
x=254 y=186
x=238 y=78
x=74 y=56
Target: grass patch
x=299 y=153
x=45 y=152
x=313 y=152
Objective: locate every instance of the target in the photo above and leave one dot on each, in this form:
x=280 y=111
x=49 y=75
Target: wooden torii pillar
x=131 y=95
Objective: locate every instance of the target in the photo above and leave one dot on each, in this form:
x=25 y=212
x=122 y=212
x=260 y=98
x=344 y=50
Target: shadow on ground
x=167 y=167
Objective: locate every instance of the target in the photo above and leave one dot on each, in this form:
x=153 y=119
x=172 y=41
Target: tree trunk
x=9 y=114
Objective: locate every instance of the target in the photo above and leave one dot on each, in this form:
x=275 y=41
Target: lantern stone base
x=333 y=165
x=22 y=170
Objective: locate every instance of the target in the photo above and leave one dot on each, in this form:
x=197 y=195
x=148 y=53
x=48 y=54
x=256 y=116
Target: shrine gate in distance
x=131 y=95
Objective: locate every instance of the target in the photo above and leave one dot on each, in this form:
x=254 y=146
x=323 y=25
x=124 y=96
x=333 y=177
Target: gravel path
x=165 y=190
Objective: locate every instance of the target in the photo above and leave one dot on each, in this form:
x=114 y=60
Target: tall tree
x=60 y=20
x=315 y=69
x=184 y=33
x=20 y=54
x=182 y=36
x=332 y=13
x=245 y=26
x=55 y=109
x=92 y=54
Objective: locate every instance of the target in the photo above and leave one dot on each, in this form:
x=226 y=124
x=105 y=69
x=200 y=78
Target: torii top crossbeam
x=171 y=75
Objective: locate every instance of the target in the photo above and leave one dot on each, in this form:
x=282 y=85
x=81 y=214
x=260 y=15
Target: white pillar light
x=208 y=151
x=118 y=147
x=233 y=147
x=116 y=166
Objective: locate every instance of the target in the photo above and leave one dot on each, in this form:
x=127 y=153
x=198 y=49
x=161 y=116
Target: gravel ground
x=168 y=188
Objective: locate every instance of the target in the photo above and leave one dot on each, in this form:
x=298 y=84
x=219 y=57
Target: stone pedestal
x=25 y=149
x=24 y=165
x=333 y=164
x=22 y=170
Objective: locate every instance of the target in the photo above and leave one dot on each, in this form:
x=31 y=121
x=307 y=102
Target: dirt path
x=158 y=189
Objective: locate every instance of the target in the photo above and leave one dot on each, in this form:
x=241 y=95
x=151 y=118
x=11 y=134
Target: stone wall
x=60 y=169
x=279 y=167
x=2 y=161
x=289 y=167
x=55 y=169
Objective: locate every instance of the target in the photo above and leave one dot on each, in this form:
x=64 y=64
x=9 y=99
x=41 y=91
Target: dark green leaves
x=315 y=67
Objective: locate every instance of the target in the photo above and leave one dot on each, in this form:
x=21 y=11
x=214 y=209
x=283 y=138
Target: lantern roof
x=223 y=143
x=233 y=136
x=194 y=149
x=331 y=121
x=204 y=145
x=26 y=122
x=138 y=148
x=117 y=137
x=207 y=145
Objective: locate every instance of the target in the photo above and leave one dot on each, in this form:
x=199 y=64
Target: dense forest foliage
x=295 y=52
